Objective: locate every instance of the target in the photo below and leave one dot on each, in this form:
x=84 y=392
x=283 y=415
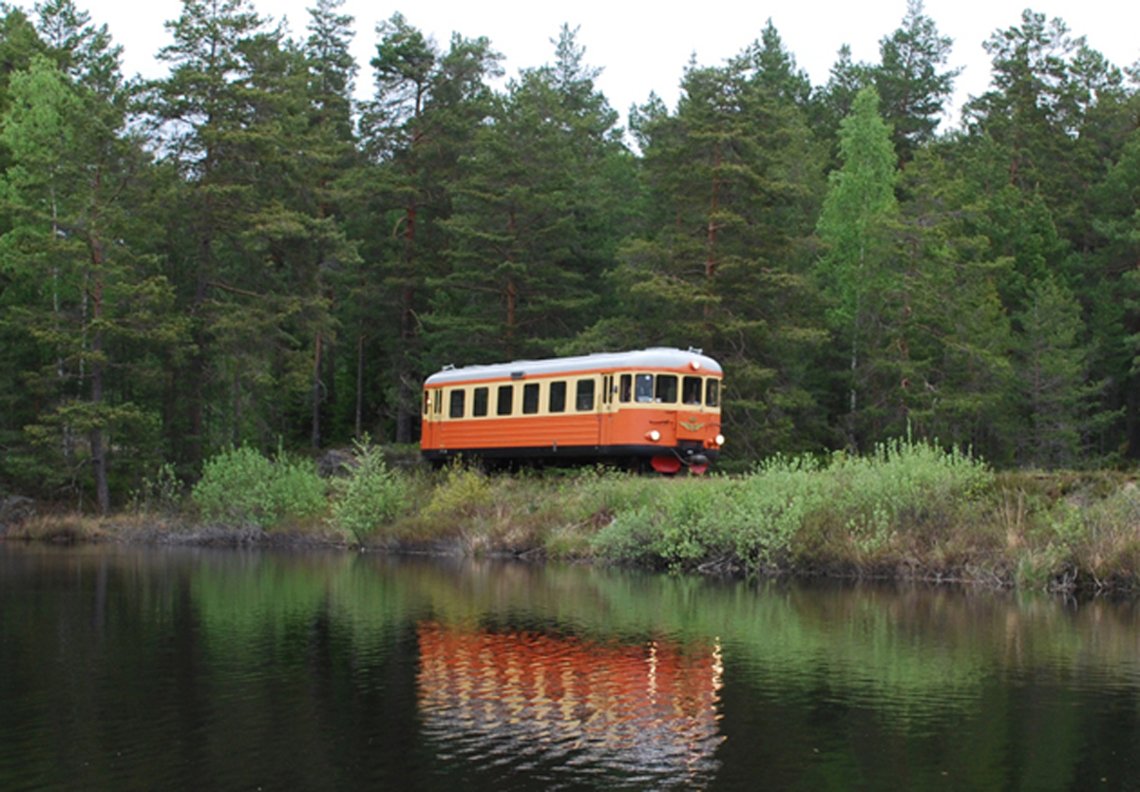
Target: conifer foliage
x=251 y=252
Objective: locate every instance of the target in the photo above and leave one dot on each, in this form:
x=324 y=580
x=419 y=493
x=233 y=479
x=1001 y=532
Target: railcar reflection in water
x=646 y=711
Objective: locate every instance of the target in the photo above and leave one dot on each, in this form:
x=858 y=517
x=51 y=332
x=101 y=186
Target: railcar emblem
x=692 y=425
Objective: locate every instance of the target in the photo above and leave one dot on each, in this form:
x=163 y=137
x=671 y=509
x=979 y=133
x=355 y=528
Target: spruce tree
x=1061 y=404
x=956 y=370
x=331 y=159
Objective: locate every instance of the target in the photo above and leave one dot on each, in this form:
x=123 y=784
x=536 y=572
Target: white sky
x=645 y=46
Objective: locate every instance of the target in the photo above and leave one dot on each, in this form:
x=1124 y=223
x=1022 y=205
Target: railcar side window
x=712 y=393
x=530 y=398
x=455 y=406
x=557 y=402
x=479 y=403
x=691 y=390
x=626 y=387
x=666 y=388
x=506 y=398
x=644 y=389
x=585 y=395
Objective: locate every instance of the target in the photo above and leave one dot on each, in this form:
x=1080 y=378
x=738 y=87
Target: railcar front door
x=607 y=411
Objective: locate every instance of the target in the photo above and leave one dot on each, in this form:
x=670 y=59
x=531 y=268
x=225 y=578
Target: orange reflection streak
x=645 y=707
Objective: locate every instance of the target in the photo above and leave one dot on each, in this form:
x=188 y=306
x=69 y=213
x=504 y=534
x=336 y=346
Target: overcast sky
x=645 y=46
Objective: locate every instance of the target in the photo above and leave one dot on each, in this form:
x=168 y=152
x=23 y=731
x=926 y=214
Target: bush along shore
x=909 y=510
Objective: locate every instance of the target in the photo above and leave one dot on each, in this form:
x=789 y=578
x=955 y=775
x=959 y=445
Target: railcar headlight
x=719 y=439
x=653 y=435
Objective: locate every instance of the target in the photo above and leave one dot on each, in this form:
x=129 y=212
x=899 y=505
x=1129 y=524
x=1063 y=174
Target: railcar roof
x=653 y=358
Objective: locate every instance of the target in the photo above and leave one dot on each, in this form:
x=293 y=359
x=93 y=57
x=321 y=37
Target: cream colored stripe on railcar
x=441 y=402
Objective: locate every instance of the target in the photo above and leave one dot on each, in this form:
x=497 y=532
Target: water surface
x=147 y=668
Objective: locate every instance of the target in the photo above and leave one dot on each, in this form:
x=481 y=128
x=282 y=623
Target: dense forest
x=245 y=252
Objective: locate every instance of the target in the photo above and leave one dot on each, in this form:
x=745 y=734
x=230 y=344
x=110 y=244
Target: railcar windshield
x=643 y=390
x=691 y=390
x=666 y=391
x=665 y=388
x=712 y=393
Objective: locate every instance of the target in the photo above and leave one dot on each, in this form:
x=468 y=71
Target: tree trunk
x=359 y=386
x=512 y=295
x=98 y=369
x=197 y=369
x=407 y=401
x=315 y=434
x=406 y=398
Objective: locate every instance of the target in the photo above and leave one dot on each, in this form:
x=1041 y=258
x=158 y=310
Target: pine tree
x=733 y=181
x=91 y=307
x=1030 y=110
x=428 y=106
x=527 y=242
x=833 y=102
x=331 y=158
x=201 y=113
x=912 y=89
x=775 y=68
x=234 y=114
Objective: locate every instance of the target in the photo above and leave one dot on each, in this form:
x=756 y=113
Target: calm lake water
x=144 y=668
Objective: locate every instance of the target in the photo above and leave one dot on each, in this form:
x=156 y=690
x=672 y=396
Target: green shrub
x=903 y=494
x=773 y=506
x=628 y=537
x=856 y=510
x=370 y=496
x=464 y=492
x=243 y=486
x=681 y=524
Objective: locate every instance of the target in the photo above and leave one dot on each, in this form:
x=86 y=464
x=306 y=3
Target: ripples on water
x=128 y=668
x=633 y=714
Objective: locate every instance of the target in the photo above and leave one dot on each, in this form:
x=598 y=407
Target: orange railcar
x=658 y=407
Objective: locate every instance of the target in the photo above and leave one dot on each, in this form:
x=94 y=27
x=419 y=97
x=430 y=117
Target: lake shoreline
x=907 y=512
x=996 y=572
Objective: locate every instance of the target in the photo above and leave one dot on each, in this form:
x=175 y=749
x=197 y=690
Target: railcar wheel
x=667 y=465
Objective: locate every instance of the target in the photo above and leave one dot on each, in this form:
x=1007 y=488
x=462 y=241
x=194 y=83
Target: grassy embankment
x=908 y=510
